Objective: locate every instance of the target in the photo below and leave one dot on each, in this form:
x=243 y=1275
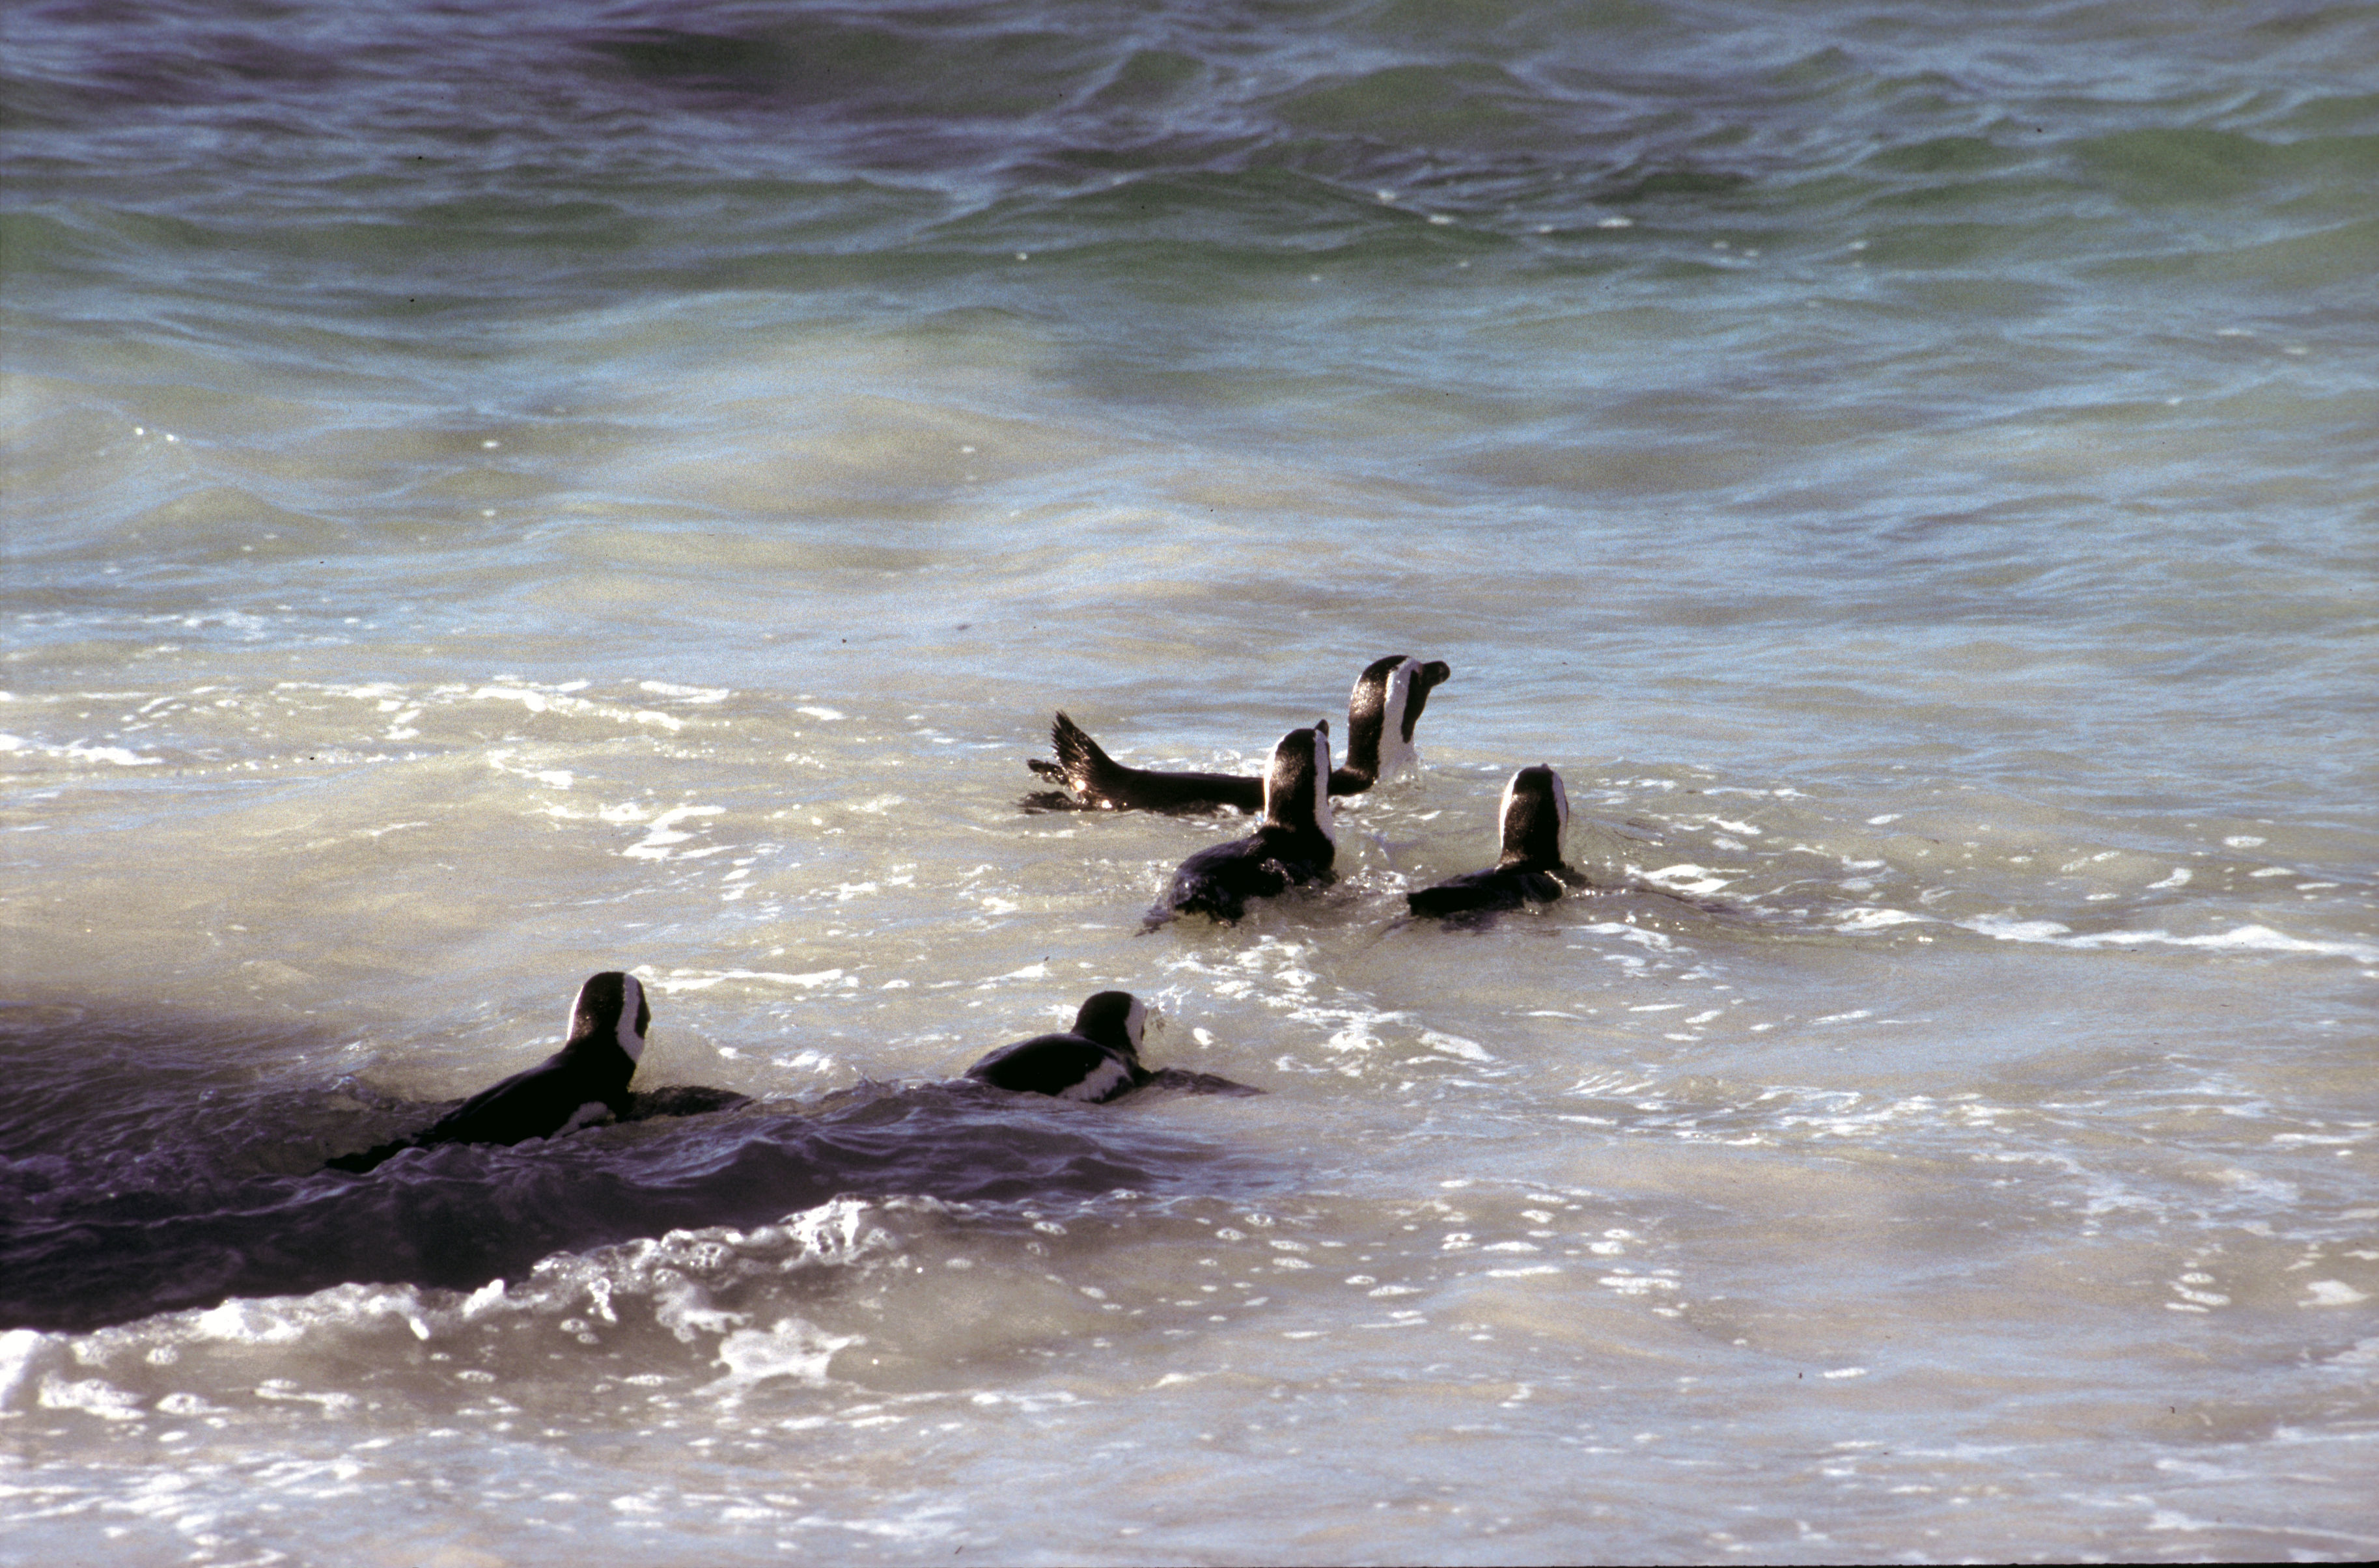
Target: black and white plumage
x=1095 y=1061
x=582 y=1084
x=1534 y=816
x=1382 y=710
x=1294 y=845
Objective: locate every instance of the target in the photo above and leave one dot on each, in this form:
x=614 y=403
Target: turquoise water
x=494 y=496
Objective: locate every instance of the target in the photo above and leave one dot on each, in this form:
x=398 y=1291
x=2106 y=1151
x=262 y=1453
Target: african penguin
x=582 y=1084
x=1382 y=710
x=1534 y=816
x=1381 y=713
x=1293 y=845
x=1097 y=1060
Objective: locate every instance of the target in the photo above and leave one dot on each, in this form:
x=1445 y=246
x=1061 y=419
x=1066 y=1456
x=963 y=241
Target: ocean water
x=496 y=493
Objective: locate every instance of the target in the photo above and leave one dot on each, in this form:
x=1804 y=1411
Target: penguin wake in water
x=584 y=1083
x=1381 y=713
x=1534 y=816
x=1292 y=847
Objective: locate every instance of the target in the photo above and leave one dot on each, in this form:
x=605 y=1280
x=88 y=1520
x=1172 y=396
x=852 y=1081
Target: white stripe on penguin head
x=1395 y=752
x=632 y=1002
x=1322 y=782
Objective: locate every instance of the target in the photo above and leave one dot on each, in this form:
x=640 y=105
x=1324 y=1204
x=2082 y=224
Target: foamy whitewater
x=498 y=493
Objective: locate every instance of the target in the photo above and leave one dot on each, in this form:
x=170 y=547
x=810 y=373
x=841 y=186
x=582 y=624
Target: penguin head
x=1426 y=678
x=1535 y=815
x=612 y=1007
x=1114 y=1019
x=1297 y=785
x=1385 y=705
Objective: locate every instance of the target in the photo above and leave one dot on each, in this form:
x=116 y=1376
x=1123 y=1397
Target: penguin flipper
x=1105 y=784
x=1471 y=893
x=1081 y=760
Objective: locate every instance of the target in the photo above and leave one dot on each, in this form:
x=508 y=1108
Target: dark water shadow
x=217 y=1210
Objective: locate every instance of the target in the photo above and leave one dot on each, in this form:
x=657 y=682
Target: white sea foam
x=118 y=756
x=1456 y=1046
x=687 y=694
x=535 y=702
x=22 y=1352
x=703 y=980
x=663 y=831
x=78 y=750
x=2244 y=938
x=94 y=1396
x=1687 y=877
x=1871 y=918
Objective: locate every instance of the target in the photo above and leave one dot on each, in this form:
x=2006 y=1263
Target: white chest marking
x=592 y=1114
x=1100 y=1083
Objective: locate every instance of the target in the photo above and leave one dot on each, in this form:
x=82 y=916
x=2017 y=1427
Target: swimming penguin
x=1293 y=846
x=1534 y=816
x=1097 y=1060
x=582 y=1084
x=1381 y=712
